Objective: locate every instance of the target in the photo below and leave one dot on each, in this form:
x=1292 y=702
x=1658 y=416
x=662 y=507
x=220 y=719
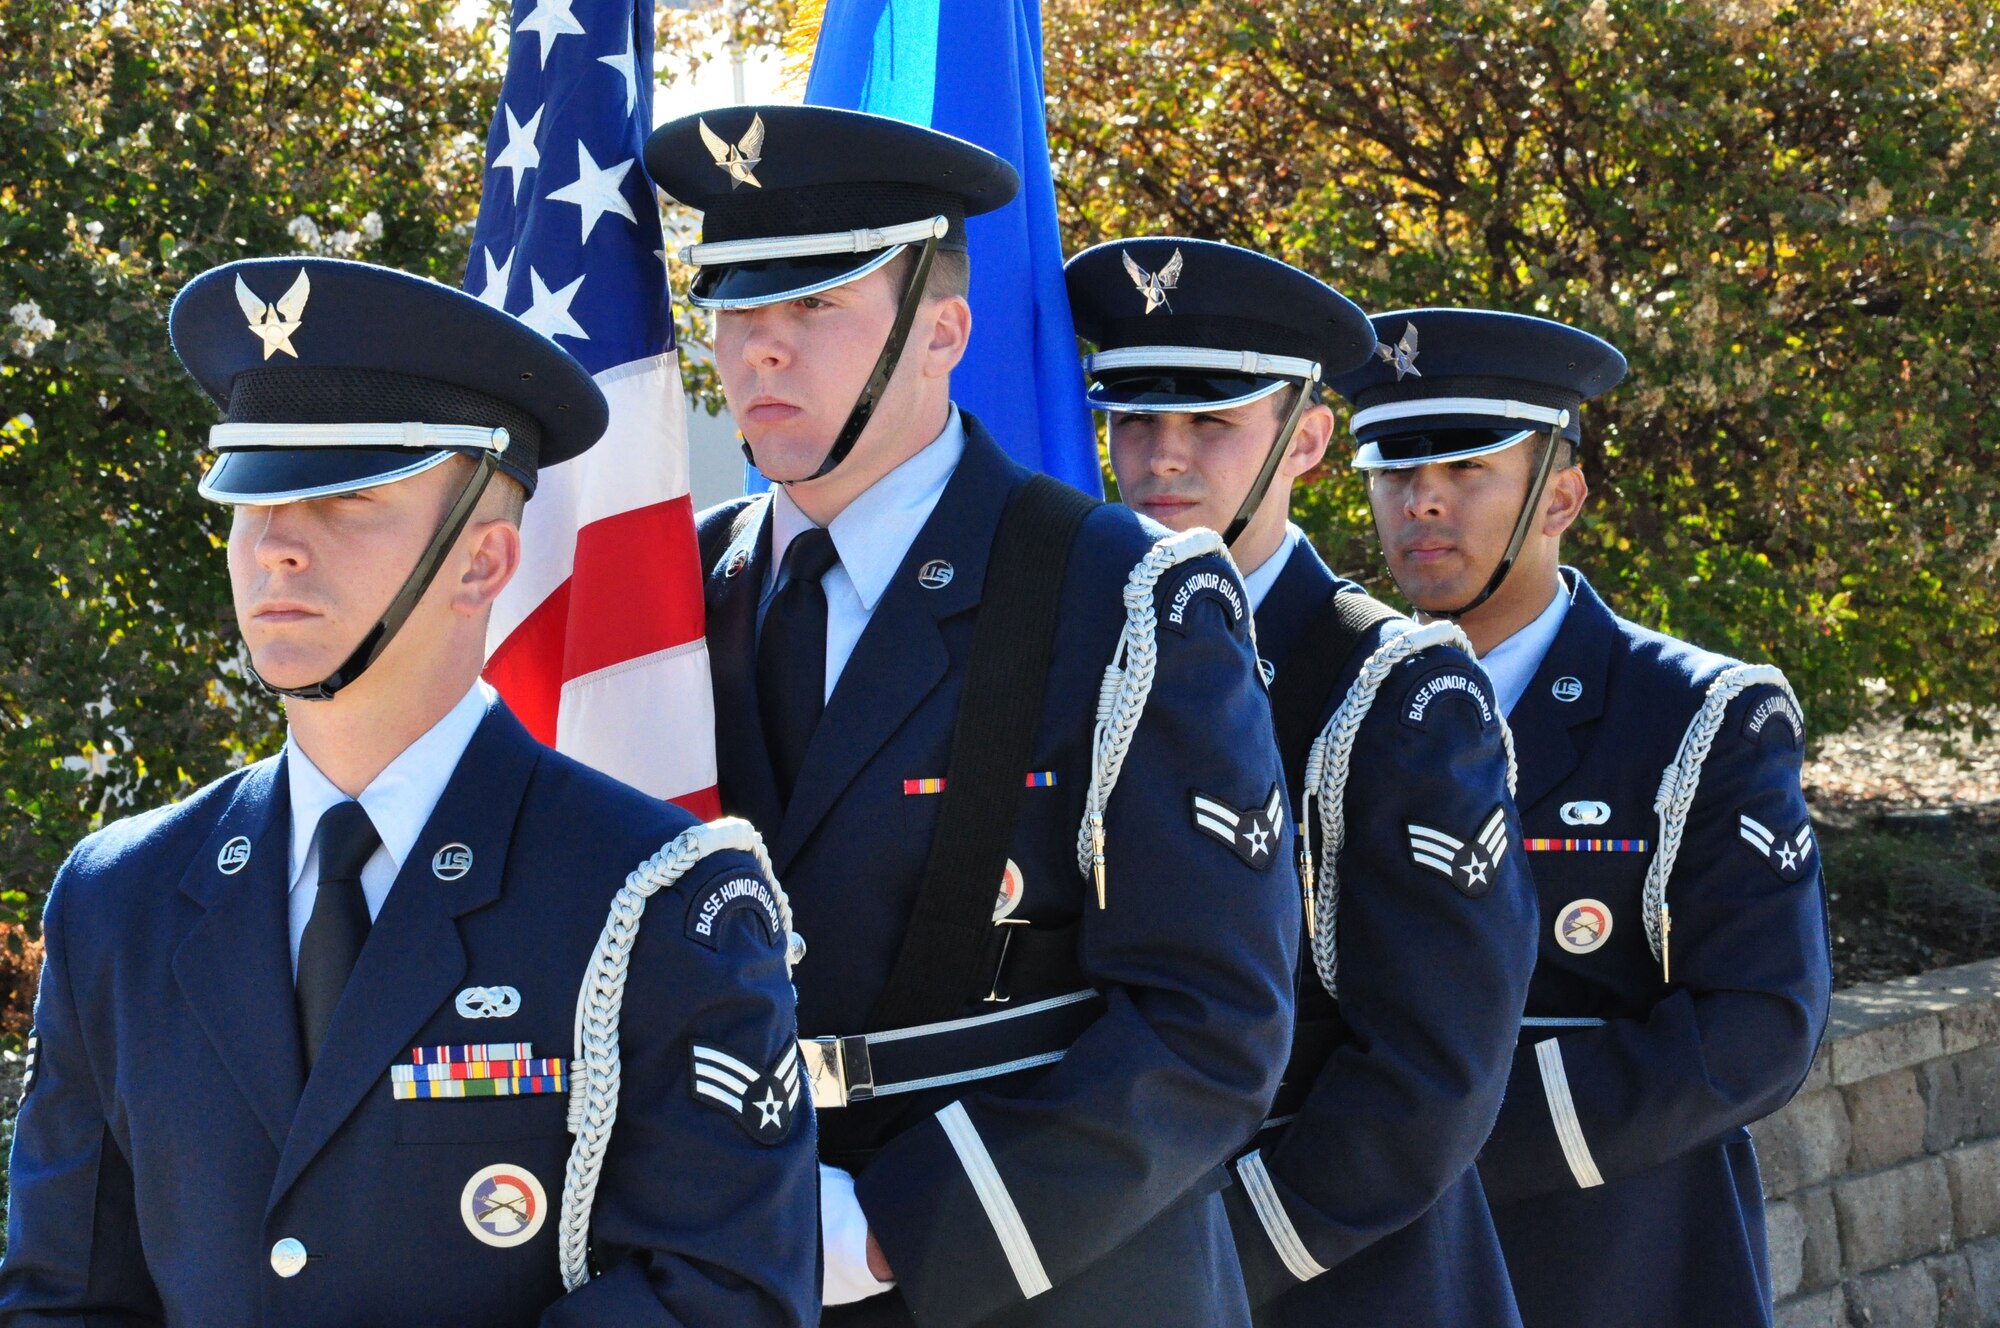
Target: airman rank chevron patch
x=1789 y=855
x=763 y=1102
x=1251 y=833
x=1469 y=867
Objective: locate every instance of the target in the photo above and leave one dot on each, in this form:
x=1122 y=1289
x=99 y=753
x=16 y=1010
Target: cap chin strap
x=420 y=578
x=1262 y=484
x=878 y=377
x=1529 y=510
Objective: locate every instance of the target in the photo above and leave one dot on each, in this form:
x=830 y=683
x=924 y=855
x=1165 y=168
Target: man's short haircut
x=504 y=496
x=1565 y=458
x=950 y=276
x=1283 y=399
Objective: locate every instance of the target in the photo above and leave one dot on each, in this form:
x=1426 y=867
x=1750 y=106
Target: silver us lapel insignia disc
x=1566 y=689
x=935 y=574
x=235 y=855
x=451 y=862
x=488 y=1002
x=503 y=1205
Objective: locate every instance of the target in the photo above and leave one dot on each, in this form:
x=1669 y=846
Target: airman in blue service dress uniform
x=1683 y=978
x=1360 y=1203
x=1034 y=1126
x=387 y=1138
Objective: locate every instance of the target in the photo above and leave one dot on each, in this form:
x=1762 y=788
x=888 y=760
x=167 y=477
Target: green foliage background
x=144 y=144
x=1783 y=212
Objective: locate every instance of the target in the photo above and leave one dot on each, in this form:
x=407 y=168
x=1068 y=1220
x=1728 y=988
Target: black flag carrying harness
x=953 y=955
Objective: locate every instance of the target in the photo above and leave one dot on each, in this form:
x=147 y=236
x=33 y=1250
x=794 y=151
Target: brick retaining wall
x=1883 y=1174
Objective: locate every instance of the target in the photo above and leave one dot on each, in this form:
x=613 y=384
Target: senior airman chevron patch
x=763 y=1102
x=1470 y=867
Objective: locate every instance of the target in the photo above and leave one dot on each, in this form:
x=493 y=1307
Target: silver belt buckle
x=839 y=1069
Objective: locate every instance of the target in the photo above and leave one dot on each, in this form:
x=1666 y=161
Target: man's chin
x=784 y=460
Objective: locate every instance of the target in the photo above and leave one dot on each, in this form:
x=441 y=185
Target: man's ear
x=493 y=555
x=1309 y=441
x=949 y=329
x=1562 y=502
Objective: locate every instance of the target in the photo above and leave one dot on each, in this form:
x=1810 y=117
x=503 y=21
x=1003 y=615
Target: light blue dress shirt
x=398 y=801
x=872 y=535
x=1511 y=665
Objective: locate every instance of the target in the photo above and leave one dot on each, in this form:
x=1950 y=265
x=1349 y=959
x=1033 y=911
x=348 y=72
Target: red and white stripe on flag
x=597 y=644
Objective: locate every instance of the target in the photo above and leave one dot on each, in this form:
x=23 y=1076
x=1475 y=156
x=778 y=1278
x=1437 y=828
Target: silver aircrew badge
x=1155 y=285
x=739 y=160
x=274 y=324
x=1403 y=355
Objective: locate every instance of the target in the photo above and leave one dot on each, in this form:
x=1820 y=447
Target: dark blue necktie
x=791 y=655
x=339 y=924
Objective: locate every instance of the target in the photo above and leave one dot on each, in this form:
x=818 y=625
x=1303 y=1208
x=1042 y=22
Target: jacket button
x=288 y=1258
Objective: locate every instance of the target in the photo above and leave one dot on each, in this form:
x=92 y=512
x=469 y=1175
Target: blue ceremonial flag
x=973 y=68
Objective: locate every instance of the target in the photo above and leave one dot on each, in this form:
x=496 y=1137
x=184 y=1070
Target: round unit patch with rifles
x=503 y=1205
x=1583 y=925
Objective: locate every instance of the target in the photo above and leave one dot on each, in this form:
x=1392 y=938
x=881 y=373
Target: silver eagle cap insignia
x=1403 y=355
x=273 y=324
x=739 y=159
x=1155 y=285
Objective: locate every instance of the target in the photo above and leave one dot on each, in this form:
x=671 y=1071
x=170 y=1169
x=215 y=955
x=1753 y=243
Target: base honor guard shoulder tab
x=1451 y=682
x=711 y=908
x=1774 y=718
x=1182 y=590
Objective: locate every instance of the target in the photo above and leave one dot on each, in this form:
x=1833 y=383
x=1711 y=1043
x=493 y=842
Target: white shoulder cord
x=1679 y=782
x=1128 y=680
x=595 y=1073
x=1327 y=766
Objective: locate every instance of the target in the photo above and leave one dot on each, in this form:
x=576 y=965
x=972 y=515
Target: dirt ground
x=1909 y=823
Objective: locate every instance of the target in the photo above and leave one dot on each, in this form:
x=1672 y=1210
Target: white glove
x=843 y=1233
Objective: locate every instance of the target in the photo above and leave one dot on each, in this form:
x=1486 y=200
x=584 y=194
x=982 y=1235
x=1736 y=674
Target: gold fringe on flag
x=801 y=40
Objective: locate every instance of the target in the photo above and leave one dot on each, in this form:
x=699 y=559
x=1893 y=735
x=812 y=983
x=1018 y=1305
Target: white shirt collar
x=400 y=799
x=1511 y=665
x=875 y=531
x=1259 y=579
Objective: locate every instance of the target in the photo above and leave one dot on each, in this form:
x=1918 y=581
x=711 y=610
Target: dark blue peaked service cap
x=1445 y=384
x=799 y=199
x=1183 y=324
x=335 y=376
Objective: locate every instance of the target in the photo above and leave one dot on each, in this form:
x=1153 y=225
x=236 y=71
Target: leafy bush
x=146 y=143
x=1784 y=213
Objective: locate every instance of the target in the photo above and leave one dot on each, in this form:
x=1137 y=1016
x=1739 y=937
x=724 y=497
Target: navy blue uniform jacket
x=1624 y=1184
x=1396 y=1085
x=984 y=1195
x=170 y=1136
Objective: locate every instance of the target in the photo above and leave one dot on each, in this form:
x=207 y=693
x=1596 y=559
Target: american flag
x=597 y=645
